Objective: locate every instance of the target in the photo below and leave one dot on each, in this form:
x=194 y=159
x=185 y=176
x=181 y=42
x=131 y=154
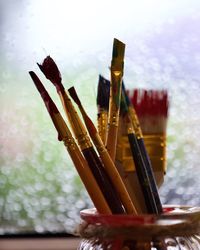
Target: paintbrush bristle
x=118 y=50
x=152 y=109
x=51 y=72
x=150 y=102
x=103 y=93
x=74 y=96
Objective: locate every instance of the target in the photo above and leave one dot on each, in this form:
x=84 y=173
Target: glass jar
x=177 y=228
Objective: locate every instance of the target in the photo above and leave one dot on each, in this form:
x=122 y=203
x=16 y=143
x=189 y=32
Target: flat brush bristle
x=103 y=93
x=118 y=49
x=150 y=102
x=152 y=109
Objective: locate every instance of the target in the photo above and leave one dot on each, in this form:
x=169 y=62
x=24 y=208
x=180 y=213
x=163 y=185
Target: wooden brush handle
x=142 y=175
x=103 y=181
x=116 y=180
x=111 y=143
x=88 y=180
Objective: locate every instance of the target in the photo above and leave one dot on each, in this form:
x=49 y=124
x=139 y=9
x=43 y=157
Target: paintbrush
x=142 y=147
x=51 y=71
x=105 y=157
x=103 y=91
x=140 y=166
x=123 y=162
x=117 y=66
x=151 y=107
x=79 y=161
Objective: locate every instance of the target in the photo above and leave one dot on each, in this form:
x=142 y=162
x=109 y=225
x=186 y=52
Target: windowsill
x=37 y=244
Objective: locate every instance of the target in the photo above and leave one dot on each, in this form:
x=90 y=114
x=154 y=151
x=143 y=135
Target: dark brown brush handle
x=149 y=169
x=103 y=181
x=142 y=175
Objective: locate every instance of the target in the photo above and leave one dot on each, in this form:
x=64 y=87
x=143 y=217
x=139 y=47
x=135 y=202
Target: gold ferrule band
x=64 y=132
x=135 y=122
x=124 y=155
x=113 y=117
x=156 y=149
x=75 y=122
x=115 y=88
x=102 y=124
x=98 y=143
x=130 y=129
x=70 y=143
x=114 y=120
x=84 y=141
x=117 y=67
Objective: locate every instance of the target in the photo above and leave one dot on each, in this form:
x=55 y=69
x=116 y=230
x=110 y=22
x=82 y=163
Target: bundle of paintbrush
x=95 y=169
x=132 y=159
x=96 y=154
x=151 y=107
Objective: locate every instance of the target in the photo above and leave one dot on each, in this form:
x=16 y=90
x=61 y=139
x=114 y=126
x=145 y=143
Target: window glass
x=40 y=189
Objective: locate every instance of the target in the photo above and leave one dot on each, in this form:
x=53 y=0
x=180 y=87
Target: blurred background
x=40 y=190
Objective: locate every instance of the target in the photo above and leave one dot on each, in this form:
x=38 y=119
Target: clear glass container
x=177 y=228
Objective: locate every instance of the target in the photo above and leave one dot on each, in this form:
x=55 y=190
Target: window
x=40 y=189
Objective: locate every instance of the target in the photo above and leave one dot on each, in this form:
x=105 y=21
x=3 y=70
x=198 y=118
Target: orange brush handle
x=114 y=175
x=112 y=141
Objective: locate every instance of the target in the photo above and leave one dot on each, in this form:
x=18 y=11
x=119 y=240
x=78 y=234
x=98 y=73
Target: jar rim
x=171 y=212
x=176 y=220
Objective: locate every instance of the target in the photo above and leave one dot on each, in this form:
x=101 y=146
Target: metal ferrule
x=70 y=143
x=129 y=127
x=135 y=122
x=114 y=119
x=116 y=85
x=102 y=124
x=75 y=122
x=99 y=144
x=84 y=141
x=117 y=66
x=114 y=104
x=64 y=132
x=156 y=148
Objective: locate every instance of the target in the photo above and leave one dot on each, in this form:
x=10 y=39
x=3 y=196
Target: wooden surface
x=36 y=244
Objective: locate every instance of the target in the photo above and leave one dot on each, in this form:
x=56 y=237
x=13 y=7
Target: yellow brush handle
x=114 y=106
x=75 y=122
x=112 y=141
x=114 y=175
x=102 y=125
x=81 y=166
